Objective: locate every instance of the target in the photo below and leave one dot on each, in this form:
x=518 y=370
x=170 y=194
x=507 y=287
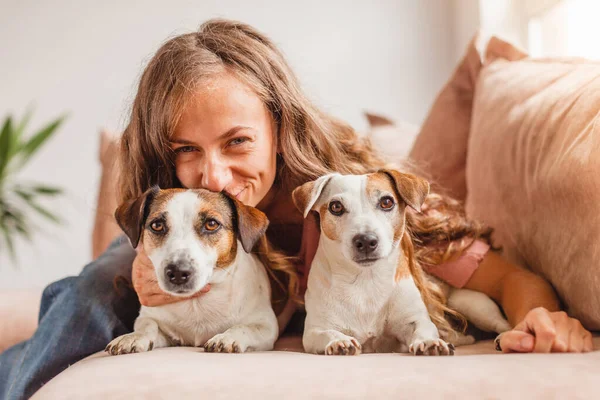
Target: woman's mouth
x=237 y=196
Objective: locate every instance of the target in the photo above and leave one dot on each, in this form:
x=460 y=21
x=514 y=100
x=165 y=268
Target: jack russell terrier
x=363 y=291
x=196 y=238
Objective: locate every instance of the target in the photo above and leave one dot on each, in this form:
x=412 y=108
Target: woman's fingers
x=588 y=345
x=516 y=342
x=562 y=326
x=538 y=322
x=576 y=343
x=551 y=331
x=580 y=338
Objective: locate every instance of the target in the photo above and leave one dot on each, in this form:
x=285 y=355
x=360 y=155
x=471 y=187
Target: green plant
x=18 y=200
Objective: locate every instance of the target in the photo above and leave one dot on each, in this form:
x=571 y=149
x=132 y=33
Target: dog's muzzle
x=365 y=248
x=179 y=277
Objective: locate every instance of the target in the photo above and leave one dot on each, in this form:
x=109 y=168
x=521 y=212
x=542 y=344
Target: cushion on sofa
x=19 y=311
x=533 y=169
x=188 y=373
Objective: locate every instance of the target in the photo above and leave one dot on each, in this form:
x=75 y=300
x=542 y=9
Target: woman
x=220 y=109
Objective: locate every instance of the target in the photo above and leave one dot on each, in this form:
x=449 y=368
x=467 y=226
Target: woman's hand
x=542 y=331
x=146 y=284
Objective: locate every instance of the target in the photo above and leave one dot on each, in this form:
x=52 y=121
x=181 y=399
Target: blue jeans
x=79 y=316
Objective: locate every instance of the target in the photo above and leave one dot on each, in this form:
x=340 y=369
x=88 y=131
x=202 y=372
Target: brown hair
x=312 y=142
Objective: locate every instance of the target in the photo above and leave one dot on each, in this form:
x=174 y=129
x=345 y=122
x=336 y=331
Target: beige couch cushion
x=533 y=170
x=19 y=311
x=392 y=139
x=187 y=373
x=440 y=149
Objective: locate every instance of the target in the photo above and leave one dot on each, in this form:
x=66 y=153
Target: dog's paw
x=431 y=347
x=129 y=343
x=343 y=347
x=224 y=343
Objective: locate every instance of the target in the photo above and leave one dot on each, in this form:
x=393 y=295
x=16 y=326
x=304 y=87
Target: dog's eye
x=211 y=225
x=157 y=226
x=336 y=208
x=386 y=203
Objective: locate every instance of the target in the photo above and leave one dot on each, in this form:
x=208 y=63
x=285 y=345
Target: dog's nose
x=176 y=275
x=365 y=243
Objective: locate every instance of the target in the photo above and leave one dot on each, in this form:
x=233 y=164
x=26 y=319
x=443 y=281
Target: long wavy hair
x=312 y=142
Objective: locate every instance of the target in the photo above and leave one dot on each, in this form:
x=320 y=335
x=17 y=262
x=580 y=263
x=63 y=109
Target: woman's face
x=226 y=140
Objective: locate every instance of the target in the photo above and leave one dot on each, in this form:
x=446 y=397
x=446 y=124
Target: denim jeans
x=79 y=316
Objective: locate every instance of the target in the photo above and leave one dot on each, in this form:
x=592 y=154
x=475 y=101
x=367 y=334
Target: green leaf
x=29 y=200
x=42 y=211
x=23 y=124
x=29 y=148
x=47 y=190
x=23 y=229
x=23 y=194
x=6 y=145
x=8 y=240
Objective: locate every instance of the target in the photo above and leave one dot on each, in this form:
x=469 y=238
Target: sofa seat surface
x=476 y=371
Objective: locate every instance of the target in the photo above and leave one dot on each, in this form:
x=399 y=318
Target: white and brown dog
x=196 y=238
x=361 y=295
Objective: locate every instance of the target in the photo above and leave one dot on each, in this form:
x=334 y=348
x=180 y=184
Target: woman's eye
x=336 y=208
x=157 y=226
x=386 y=203
x=211 y=225
x=238 y=141
x=184 y=149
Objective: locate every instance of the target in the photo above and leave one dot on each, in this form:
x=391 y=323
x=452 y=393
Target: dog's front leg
x=254 y=333
x=409 y=322
x=145 y=337
x=329 y=342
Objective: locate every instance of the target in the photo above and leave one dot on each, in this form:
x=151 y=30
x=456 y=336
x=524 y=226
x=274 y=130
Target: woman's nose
x=215 y=174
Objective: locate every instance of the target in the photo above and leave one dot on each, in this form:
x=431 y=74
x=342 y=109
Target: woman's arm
x=531 y=306
x=517 y=290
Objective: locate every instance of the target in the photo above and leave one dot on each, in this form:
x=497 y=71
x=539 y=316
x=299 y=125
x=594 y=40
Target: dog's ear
x=132 y=214
x=250 y=223
x=306 y=196
x=412 y=189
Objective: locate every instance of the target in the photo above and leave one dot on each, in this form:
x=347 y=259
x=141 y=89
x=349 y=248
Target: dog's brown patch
x=158 y=206
x=412 y=189
x=330 y=224
x=302 y=195
x=131 y=215
x=215 y=206
x=251 y=223
x=403 y=268
x=378 y=185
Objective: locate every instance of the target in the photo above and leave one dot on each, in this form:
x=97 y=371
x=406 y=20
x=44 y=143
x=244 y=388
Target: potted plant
x=18 y=201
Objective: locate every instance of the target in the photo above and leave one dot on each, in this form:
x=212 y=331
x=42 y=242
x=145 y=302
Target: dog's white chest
x=358 y=309
x=193 y=322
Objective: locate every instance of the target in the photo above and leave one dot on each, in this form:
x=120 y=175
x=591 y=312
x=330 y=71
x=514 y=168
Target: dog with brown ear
x=365 y=293
x=197 y=239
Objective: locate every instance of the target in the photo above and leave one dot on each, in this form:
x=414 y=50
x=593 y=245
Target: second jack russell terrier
x=362 y=295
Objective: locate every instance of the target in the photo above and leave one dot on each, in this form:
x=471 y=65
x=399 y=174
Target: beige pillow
x=19 y=311
x=392 y=139
x=440 y=149
x=533 y=169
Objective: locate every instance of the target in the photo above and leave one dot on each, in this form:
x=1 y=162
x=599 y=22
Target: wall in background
x=84 y=58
